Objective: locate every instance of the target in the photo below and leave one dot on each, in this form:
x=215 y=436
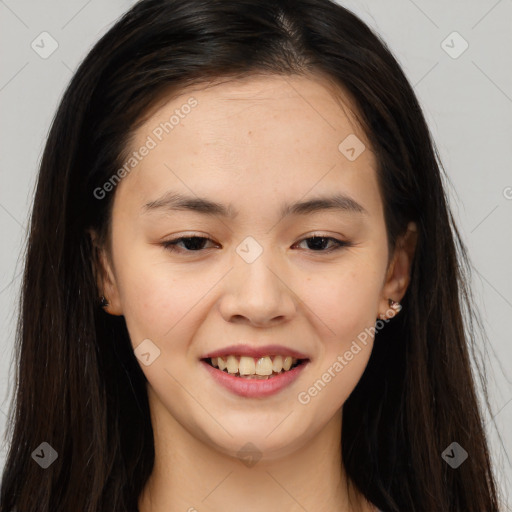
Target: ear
x=105 y=277
x=399 y=270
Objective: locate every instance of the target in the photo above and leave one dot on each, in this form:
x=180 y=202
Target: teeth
x=246 y=366
x=249 y=366
x=277 y=364
x=264 y=366
x=231 y=364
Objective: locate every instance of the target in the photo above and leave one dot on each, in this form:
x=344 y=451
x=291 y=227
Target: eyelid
x=171 y=244
x=339 y=243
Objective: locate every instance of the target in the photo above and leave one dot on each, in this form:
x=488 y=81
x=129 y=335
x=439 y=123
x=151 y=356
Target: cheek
x=344 y=307
x=344 y=301
x=154 y=298
x=162 y=301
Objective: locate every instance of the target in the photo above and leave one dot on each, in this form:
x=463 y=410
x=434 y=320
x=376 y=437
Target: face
x=305 y=281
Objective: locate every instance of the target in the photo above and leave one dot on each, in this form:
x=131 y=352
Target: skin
x=259 y=141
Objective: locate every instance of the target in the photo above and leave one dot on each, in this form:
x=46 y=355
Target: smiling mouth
x=262 y=368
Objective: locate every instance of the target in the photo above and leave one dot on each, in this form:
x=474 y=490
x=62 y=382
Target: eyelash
x=171 y=245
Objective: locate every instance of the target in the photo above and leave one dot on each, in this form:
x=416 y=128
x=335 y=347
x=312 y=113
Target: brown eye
x=191 y=243
x=319 y=243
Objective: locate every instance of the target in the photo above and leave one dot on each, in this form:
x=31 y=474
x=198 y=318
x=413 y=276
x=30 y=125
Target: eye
x=196 y=244
x=191 y=243
x=318 y=243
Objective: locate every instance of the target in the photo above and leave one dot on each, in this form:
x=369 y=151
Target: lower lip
x=255 y=388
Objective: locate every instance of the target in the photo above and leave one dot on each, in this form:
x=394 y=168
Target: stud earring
x=395 y=306
x=104 y=302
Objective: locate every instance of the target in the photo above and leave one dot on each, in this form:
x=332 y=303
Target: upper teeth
x=254 y=366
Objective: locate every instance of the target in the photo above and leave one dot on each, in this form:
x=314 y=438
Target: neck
x=191 y=475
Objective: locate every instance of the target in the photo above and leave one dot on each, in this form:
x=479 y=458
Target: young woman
x=243 y=287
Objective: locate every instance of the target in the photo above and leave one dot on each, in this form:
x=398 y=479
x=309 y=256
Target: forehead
x=261 y=133
x=254 y=101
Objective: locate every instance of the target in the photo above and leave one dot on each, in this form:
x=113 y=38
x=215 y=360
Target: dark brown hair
x=79 y=386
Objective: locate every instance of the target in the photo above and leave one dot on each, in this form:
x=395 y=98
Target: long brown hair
x=79 y=386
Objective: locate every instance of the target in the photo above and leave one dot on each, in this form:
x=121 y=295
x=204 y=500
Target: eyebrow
x=174 y=201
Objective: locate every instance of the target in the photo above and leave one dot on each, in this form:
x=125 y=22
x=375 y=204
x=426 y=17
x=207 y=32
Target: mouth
x=257 y=368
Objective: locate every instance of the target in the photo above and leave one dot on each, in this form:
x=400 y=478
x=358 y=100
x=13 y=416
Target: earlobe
x=399 y=272
x=108 y=296
x=393 y=308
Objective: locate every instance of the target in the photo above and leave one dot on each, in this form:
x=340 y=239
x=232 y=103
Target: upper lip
x=259 y=351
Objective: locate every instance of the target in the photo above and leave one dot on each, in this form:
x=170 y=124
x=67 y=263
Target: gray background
x=467 y=101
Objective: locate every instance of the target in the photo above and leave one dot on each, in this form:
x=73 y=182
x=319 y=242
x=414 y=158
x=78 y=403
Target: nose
x=258 y=294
